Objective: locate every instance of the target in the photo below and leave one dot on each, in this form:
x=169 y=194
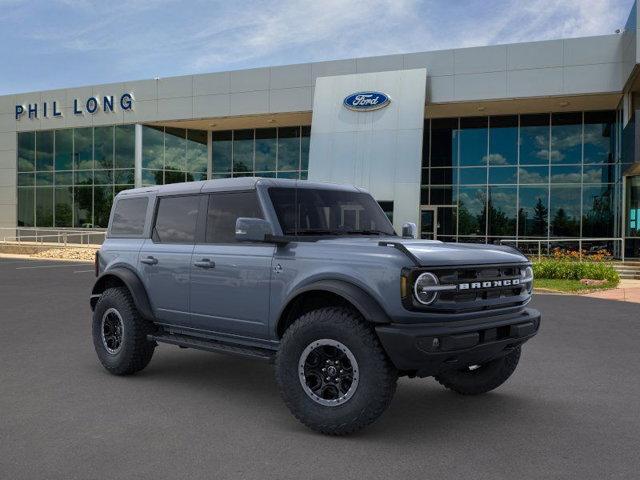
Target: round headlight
x=422 y=288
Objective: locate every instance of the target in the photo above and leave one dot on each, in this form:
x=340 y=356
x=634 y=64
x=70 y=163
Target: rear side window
x=176 y=219
x=224 y=209
x=128 y=216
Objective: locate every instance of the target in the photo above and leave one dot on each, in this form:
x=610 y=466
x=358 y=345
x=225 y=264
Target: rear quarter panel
x=120 y=251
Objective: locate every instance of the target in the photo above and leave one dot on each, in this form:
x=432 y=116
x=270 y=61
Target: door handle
x=204 y=263
x=149 y=260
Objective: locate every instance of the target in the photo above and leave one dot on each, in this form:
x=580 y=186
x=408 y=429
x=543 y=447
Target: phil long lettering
x=92 y=105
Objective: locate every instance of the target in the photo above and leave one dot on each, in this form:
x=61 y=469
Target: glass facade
x=281 y=152
x=540 y=176
x=68 y=177
x=172 y=155
x=535 y=176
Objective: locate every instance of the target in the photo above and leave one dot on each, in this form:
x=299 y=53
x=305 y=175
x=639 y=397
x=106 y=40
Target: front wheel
x=332 y=372
x=478 y=379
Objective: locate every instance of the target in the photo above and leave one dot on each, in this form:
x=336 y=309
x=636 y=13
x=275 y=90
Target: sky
x=48 y=44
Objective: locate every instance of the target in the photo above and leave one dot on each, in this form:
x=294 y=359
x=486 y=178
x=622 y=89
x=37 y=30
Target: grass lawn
x=568 y=286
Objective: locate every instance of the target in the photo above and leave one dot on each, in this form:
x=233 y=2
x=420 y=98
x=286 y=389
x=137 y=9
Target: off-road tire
x=377 y=376
x=482 y=380
x=136 y=351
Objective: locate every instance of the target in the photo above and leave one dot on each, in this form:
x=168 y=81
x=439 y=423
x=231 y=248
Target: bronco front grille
x=477 y=288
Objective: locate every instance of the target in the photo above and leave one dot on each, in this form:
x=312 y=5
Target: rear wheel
x=332 y=372
x=477 y=379
x=120 y=333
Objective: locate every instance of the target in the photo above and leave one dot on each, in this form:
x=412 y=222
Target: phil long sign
x=366 y=101
x=91 y=105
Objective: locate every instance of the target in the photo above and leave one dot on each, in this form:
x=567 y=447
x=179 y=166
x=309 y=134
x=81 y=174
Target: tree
x=499 y=223
x=540 y=219
x=564 y=226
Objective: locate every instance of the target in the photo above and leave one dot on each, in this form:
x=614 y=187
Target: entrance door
x=428 y=222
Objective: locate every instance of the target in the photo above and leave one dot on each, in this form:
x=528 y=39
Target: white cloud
x=495 y=159
x=144 y=38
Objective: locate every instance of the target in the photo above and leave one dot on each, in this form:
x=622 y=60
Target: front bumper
x=427 y=349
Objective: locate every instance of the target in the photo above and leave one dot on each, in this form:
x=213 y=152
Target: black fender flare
x=368 y=307
x=133 y=283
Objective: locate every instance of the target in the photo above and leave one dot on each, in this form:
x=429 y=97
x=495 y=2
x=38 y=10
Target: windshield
x=310 y=211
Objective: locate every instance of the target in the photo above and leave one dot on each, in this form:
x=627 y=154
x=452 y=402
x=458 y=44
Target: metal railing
x=545 y=247
x=52 y=236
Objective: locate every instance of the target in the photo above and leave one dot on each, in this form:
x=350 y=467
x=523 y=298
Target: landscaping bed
x=570 y=272
x=569 y=286
x=82 y=254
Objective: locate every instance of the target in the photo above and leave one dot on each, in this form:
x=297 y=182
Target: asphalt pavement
x=571 y=410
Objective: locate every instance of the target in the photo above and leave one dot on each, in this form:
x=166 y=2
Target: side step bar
x=214 y=346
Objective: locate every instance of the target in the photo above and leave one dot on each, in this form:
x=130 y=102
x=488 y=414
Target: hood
x=433 y=253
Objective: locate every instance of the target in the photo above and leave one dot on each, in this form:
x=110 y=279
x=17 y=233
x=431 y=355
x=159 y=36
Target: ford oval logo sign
x=366 y=101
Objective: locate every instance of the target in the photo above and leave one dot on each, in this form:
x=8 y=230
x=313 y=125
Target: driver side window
x=223 y=211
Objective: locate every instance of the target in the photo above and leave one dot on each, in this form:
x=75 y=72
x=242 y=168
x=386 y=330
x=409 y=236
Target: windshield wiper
x=316 y=231
x=370 y=232
x=326 y=231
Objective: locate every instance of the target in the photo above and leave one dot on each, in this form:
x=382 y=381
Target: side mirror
x=409 y=230
x=252 y=229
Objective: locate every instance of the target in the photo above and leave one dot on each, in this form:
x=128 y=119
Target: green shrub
x=570 y=270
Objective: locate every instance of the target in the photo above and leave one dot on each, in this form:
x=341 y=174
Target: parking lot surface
x=571 y=410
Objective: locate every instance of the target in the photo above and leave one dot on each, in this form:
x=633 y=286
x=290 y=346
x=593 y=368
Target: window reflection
x=175 y=151
x=288 y=148
x=598 y=137
x=266 y=147
x=83 y=148
x=44 y=150
x=125 y=145
x=564 y=212
x=444 y=146
x=533 y=211
x=501 y=211
x=503 y=175
x=534 y=139
x=26 y=151
x=566 y=138
x=597 y=211
x=222 y=148
x=473 y=141
x=197 y=154
x=242 y=151
x=566 y=174
x=471 y=211
x=534 y=175
x=473 y=176
x=103 y=147
x=543 y=171
x=153 y=148
x=63 y=159
x=26 y=206
x=63 y=206
x=75 y=178
x=503 y=140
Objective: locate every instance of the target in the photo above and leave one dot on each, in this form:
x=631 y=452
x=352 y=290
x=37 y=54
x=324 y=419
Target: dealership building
x=528 y=143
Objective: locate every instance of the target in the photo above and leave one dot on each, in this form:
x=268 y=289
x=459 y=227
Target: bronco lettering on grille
x=509 y=282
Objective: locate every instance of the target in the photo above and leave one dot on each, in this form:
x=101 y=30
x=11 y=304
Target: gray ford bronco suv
x=313 y=278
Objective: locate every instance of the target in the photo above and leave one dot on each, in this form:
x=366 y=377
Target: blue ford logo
x=366 y=101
